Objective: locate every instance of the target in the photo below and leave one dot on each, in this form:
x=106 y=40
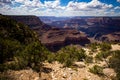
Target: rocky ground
x=56 y=71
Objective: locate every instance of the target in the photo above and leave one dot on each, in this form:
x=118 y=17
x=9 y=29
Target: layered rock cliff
x=52 y=38
x=32 y=21
x=56 y=38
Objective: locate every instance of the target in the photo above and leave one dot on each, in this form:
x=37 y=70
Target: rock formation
x=31 y=21
x=52 y=38
x=56 y=38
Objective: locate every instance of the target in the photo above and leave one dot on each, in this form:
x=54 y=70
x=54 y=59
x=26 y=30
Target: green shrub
x=102 y=55
x=8 y=48
x=96 y=70
x=68 y=62
x=31 y=55
x=93 y=46
x=89 y=59
x=114 y=62
x=81 y=55
x=69 y=55
x=105 y=46
x=51 y=57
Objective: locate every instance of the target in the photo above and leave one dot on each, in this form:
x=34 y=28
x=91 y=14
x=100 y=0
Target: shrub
x=81 y=55
x=114 y=62
x=51 y=57
x=89 y=59
x=68 y=62
x=8 y=48
x=105 y=46
x=69 y=55
x=31 y=55
x=96 y=70
x=102 y=55
x=93 y=46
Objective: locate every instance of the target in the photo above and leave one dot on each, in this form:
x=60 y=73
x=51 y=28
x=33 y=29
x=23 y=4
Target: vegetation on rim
x=19 y=46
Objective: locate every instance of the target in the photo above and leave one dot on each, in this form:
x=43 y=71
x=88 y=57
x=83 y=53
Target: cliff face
x=54 y=39
x=31 y=21
x=109 y=21
x=113 y=37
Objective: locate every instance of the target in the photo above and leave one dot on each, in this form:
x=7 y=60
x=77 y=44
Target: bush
x=114 y=62
x=69 y=55
x=68 y=62
x=81 y=55
x=102 y=55
x=51 y=57
x=8 y=48
x=31 y=55
x=105 y=46
x=93 y=46
x=89 y=59
x=96 y=70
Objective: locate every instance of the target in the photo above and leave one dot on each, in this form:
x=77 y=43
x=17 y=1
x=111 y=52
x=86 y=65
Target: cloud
x=5 y=1
x=20 y=1
x=117 y=7
x=53 y=5
x=54 y=8
x=94 y=4
x=30 y=3
x=118 y=0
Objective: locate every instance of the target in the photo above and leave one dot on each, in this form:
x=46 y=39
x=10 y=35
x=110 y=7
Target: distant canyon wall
x=52 y=38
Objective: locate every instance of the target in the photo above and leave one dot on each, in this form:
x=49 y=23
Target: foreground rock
x=23 y=75
x=63 y=73
x=109 y=72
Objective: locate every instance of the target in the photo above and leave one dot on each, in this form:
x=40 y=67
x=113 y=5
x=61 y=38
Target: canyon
x=99 y=28
x=53 y=38
x=57 y=32
x=94 y=61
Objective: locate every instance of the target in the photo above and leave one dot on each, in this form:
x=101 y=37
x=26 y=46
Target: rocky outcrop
x=56 y=38
x=113 y=37
x=32 y=21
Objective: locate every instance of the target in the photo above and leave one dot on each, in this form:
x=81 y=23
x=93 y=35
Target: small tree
x=105 y=46
x=32 y=55
x=96 y=70
x=68 y=55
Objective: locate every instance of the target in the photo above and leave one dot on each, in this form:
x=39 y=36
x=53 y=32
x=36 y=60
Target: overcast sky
x=60 y=7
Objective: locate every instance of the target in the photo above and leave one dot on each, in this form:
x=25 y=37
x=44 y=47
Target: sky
x=60 y=7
